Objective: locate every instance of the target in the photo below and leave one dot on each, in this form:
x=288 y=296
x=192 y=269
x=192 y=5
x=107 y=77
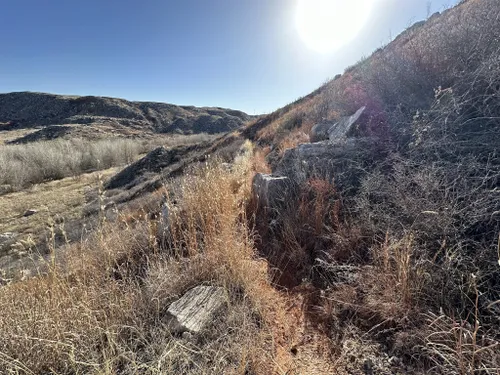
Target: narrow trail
x=299 y=346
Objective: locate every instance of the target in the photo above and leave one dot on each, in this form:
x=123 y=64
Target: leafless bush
x=309 y=227
x=27 y=164
x=457 y=347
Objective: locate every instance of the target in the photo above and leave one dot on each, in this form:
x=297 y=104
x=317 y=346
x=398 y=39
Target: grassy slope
x=395 y=81
x=99 y=309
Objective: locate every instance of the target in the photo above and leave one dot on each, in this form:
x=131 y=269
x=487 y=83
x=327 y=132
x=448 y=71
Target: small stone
x=29 y=212
x=394 y=360
x=6 y=236
x=368 y=367
x=196 y=309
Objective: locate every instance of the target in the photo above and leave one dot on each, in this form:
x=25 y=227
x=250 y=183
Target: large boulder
x=343 y=163
x=196 y=309
x=335 y=131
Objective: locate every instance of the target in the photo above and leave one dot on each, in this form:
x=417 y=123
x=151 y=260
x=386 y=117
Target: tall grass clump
x=27 y=164
x=211 y=222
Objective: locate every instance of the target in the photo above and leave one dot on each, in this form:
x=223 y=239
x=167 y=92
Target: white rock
x=335 y=131
x=6 y=236
x=196 y=309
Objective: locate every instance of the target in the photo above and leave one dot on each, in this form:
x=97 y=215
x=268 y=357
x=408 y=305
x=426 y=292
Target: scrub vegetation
x=398 y=273
x=23 y=165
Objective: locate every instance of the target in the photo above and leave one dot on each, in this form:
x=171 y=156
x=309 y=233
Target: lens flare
x=327 y=25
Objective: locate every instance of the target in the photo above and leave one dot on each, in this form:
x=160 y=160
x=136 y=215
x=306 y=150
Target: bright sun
x=327 y=25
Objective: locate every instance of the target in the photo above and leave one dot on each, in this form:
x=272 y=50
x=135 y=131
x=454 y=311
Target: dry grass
x=68 y=322
x=395 y=258
x=426 y=218
x=98 y=307
x=457 y=347
x=410 y=262
x=260 y=164
x=295 y=138
x=59 y=205
x=26 y=164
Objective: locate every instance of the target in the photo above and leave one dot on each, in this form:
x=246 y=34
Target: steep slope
x=456 y=49
x=92 y=116
x=376 y=252
x=395 y=219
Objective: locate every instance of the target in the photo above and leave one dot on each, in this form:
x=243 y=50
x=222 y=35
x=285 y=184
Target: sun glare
x=327 y=25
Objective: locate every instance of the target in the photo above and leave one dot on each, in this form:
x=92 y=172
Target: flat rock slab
x=196 y=309
x=335 y=131
x=341 y=130
x=343 y=162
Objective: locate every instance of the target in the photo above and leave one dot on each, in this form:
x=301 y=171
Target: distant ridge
x=92 y=115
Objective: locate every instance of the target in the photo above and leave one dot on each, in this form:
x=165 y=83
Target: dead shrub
x=311 y=226
x=72 y=317
x=457 y=347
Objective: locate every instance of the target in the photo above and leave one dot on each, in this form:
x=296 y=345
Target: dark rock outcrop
x=153 y=163
x=271 y=192
x=343 y=162
x=44 y=134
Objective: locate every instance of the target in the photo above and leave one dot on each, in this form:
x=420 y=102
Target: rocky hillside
x=398 y=160
x=355 y=231
x=91 y=116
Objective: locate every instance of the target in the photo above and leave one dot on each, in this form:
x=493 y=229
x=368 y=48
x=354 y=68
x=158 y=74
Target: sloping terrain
x=405 y=200
x=99 y=117
x=374 y=249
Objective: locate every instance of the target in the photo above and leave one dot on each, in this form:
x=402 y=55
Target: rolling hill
x=93 y=117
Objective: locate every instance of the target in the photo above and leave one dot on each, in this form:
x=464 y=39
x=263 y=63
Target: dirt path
x=299 y=346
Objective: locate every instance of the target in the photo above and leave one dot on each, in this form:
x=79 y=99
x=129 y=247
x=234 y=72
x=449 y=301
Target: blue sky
x=242 y=54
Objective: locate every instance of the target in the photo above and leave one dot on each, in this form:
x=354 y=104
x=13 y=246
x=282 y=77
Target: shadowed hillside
x=98 y=117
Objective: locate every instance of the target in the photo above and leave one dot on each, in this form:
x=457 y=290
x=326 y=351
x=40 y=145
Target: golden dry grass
x=118 y=285
x=98 y=309
x=22 y=165
x=56 y=200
